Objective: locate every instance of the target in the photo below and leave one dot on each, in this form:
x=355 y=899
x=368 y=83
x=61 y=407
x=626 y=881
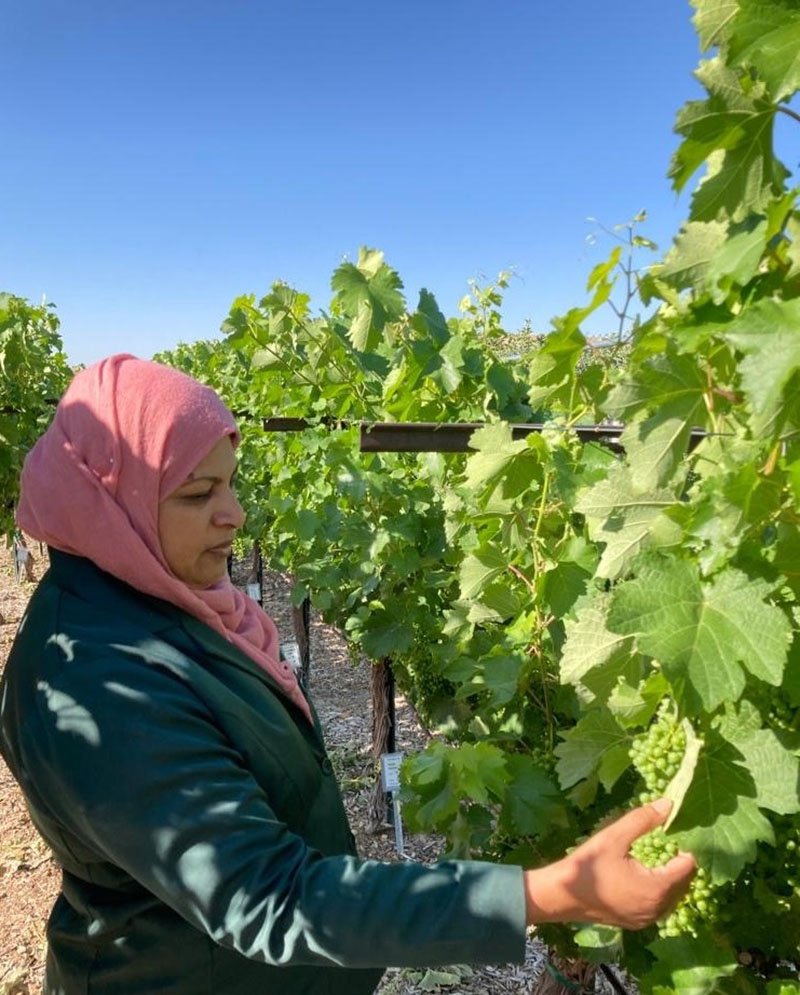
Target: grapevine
x=33 y=375
x=604 y=624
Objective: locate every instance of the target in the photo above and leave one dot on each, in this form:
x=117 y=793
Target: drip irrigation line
x=613 y=980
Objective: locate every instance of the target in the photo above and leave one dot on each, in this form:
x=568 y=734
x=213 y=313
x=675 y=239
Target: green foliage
x=33 y=376
x=363 y=536
x=583 y=630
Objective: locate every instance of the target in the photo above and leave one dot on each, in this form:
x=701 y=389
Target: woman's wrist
x=547 y=898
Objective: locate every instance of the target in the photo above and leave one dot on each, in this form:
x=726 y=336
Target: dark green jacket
x=203 y=839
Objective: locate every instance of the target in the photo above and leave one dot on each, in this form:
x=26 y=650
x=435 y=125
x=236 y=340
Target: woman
x=176 y=769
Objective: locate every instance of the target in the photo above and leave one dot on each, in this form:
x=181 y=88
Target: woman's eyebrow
x=191 y=479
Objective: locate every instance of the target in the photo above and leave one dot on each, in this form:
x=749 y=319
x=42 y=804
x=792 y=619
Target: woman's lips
x=224 y=549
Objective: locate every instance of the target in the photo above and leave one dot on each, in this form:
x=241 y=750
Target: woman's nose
x=231 y=514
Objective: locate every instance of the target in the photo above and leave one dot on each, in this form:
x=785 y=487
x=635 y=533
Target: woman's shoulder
x=79 y=611
x=84 y=587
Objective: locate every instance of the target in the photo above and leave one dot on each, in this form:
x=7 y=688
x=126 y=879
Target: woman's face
x=197 y=522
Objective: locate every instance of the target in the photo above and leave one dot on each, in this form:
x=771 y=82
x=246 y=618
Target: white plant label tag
x=390 y=771
x=291 y=654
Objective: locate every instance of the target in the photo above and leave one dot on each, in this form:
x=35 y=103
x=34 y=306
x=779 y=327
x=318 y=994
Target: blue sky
x=161 y=158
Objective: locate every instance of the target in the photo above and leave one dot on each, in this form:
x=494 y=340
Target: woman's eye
x=198 y=497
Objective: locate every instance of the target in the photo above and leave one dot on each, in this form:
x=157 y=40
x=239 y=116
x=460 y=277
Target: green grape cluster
x=779 y=866
x=544 y=758
x=698 y=906
x=428 y=686
x=779 y=714
x=658 y=752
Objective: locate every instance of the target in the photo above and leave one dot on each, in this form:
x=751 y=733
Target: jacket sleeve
x=131 y=761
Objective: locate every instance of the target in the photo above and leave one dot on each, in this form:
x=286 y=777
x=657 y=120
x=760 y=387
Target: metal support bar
x=451 y=437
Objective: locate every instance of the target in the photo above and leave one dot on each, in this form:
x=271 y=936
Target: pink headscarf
x=126 y=434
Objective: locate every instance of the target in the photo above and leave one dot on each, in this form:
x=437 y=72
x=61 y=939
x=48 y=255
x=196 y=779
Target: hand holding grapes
x=600 y=882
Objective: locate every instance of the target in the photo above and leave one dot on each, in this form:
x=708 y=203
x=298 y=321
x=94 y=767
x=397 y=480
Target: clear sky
x=160 y=158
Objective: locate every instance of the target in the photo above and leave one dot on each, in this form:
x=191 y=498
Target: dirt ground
x=29 y=879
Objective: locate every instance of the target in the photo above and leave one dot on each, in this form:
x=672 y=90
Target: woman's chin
x=201 y=580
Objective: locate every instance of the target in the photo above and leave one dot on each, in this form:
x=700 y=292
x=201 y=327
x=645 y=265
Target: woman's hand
x=600 y=882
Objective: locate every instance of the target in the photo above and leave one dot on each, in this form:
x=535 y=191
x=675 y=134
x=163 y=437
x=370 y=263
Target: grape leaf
x=791 y=680
x=725 y=507
x=430 y=319
x=666 y=381
x=655 y=445
x=701 y=632
x=680 y=783
x=691 y=331
x=695 y=246
x=552 y=370
x=732 y=132
x=266 y=359
x=564 y=584
x=728 y=843
x=775 y=770
x=738 y=258
x=596 y=743
x=533 y=803
x=672 y=388
x=793 y=249
x=434 y=799
x=783 y=988
x=589 y=644
x=479 y=770
x=719 y=820
x=621 y=517
x=501 y=676
x=436 y=810
x=599 y=944
x=499 y=599
x=385 y=634
x=449 y=373
x=691 y=965
x=480 y=568
x=712 y=20
x=553 y=366
x=500 y=461
x=359 y=330
x=713 y=124
x=635 y=706
x=368 y=283
x=766 y=36
x=768 y=333
x=599 y=684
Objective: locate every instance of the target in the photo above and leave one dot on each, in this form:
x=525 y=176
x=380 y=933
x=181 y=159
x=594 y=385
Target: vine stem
x=540 y=516
x=292 y=369
x=539 y=622
x=708 y=400
x=788 y=111
x=356 y=387
x=518 y=573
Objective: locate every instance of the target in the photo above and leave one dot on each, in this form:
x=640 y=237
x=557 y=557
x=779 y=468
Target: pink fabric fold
x=126 y=434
